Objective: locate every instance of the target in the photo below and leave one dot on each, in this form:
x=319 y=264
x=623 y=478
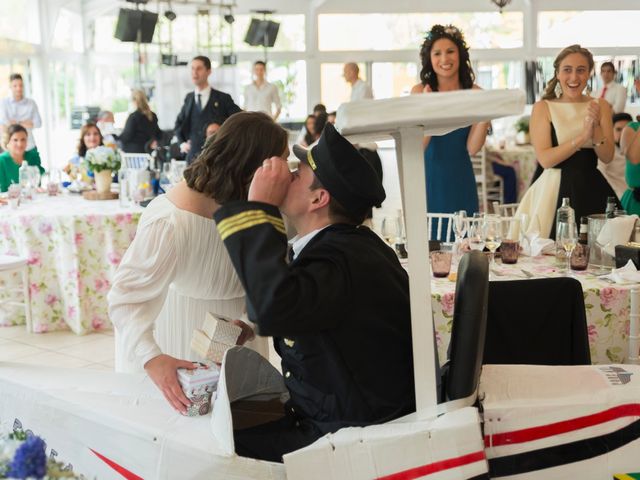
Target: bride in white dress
x=177 y=268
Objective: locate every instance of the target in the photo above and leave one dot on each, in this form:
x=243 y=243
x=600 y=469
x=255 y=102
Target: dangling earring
x=558 y=89
x=587 y=91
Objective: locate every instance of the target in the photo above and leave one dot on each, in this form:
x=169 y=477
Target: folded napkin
x=538 y=246
x=624 y=275
x=616 y=231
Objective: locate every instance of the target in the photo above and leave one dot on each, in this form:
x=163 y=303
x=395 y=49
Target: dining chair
x=14 y=264
x=135 y=161
x=505 y=209
x=490 y=186
x=537 y=322
x=440 y=226
x=461 y=373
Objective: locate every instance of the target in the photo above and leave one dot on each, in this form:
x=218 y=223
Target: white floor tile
x=97 y=351
x=56 y=340
x=14 y=351
x=53 y=359
x=12 y=332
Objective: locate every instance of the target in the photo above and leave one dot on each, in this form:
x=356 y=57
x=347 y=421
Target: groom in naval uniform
x=201 y=107
x=339 y=312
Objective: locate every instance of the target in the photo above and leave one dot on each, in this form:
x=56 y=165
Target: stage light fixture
x=229 y=18
x=170 y=15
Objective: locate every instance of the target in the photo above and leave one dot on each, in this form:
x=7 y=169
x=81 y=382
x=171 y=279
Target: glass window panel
x=393 y=79
x=20 y=21
x=615 y=28
x=66 y=34
x=334 y=90
x=104 y=40
x=291 y=80
x=405 y=31
x=496 y=75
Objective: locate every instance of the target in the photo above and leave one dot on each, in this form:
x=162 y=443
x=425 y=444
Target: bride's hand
x=162 y=370
x=247 y=332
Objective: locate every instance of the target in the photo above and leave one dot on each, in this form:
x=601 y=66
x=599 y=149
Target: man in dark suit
x=338 y=312
x=201 y=107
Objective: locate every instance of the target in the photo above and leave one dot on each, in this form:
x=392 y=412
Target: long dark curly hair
x=465 y=72
x=225 y=167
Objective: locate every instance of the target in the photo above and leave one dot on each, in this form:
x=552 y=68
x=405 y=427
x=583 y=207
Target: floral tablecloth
x=607 y=307
x=73 y=247
x=523 y=160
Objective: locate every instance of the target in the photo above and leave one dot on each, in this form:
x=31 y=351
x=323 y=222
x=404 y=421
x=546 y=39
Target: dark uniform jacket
x=191 y=125
x=339 y=315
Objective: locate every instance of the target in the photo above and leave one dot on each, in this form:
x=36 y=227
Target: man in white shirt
x=614 y=93
x=614 y=170
x=359 y=88
x=260 y=95
x=18 y=109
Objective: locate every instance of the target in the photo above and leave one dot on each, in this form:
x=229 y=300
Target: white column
x=312 y=61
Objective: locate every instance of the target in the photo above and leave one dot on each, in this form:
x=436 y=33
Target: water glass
x=460 y=223
x=440 y=263
x=13 y=194
x=476 y=234
x=580 y=257
x=510 y=246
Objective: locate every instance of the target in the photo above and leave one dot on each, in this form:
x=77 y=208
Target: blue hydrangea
x=30 y=459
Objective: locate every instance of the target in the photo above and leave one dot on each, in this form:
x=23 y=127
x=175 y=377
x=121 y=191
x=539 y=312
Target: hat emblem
x=310 y=160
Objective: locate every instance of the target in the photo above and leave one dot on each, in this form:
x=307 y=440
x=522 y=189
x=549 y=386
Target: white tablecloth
x=73 y=247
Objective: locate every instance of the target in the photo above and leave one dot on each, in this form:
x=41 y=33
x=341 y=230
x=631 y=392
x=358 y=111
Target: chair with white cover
x=11 y=264
x=505 y=209
x=440 y=226
x=490 y=186
x=135 y=161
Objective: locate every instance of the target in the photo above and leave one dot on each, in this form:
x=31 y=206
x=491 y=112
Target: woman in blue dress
x=446 y=67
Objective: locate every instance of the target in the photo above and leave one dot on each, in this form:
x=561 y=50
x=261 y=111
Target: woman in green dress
x=630 y=147
x=11 y=159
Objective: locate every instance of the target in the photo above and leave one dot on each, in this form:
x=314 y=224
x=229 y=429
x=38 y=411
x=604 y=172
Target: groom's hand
x=271 y=182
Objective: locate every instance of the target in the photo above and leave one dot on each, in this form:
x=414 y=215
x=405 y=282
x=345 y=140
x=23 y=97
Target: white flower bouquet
x=102 y=158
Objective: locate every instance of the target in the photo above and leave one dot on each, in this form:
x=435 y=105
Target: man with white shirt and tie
x=614 y=93
x=203 y=106
x=359 y=88
x=17 y=109
x=260 y=95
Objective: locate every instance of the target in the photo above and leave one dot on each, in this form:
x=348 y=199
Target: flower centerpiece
x=102 y=161
x=23 y=455
x=522 y=127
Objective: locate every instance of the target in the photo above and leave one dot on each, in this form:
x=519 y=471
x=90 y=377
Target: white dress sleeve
x=139 y=291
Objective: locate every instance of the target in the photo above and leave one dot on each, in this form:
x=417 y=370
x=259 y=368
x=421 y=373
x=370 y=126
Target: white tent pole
x=409 y=155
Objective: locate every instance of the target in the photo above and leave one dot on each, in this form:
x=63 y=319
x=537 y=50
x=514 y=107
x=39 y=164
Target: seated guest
x=106 y=124
x=343 y=284
x=630 y=148
x=141 y=132
x=331 y=117
x=614 y=171
x=317 y=110
x=308 y=128
x=90 y=137
x=176 y=270
x=318 y=126
x=15 y=154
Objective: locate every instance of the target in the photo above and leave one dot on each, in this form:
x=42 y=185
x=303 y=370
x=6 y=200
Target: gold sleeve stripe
x=248 y=219
x=624 y=476
x=244 y=216
x=248 y=224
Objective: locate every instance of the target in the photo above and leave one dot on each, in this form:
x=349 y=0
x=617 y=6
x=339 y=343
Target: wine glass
x=459 y=226
x=476 y=233
x=389 y=229
x=492 y=227
x=567 y=236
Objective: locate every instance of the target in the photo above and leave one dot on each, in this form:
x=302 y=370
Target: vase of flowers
x=24 y=455
x=522 y=127
x=102 y=161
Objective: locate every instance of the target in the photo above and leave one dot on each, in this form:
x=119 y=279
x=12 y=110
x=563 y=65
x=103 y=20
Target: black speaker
x=130 y=22
x=262 y=33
